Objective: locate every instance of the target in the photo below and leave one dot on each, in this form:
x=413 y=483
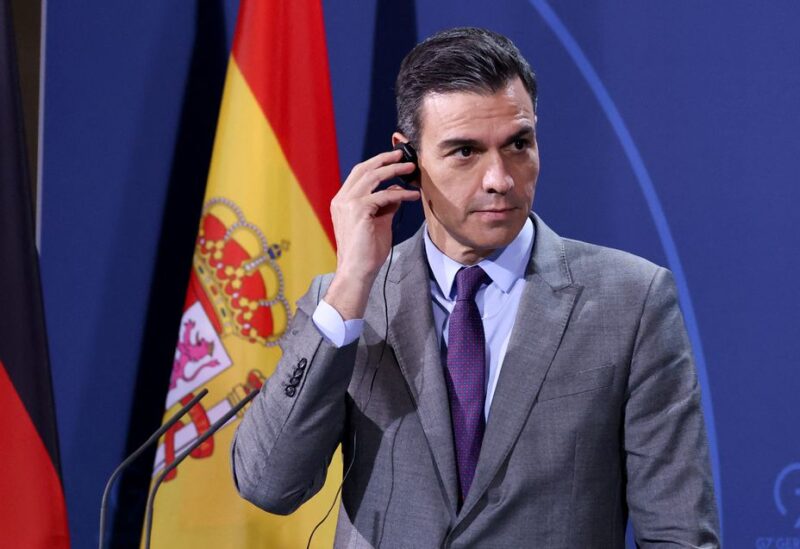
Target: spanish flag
x=265 y=231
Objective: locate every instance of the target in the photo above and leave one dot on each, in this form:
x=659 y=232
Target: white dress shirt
x=497 y=302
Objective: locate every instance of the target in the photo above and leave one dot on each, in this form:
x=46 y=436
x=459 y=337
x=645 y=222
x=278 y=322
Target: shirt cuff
x=336 y=331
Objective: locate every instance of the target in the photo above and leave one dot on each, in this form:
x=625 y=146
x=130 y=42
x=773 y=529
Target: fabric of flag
x=33 y=513
x=265 y=231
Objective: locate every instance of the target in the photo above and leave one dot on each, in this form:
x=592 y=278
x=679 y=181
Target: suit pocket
x=576 y=383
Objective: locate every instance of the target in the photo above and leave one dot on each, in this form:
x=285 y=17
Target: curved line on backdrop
x=656 y=211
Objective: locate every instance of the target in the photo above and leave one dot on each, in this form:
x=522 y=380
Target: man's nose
x=496 y=178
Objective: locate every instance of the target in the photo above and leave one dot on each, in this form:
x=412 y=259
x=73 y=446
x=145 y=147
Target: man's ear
x=398 y=137
x=409 y=155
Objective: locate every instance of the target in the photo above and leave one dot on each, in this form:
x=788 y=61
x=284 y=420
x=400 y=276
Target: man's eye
x=464 y=152
x=520 y=144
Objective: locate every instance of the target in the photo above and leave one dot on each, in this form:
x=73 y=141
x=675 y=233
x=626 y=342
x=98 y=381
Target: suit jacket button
x=301 y=365
x=294 y=381
x=290 y=391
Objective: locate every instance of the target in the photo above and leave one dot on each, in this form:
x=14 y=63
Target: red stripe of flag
x=280 y=49
x=32 y=512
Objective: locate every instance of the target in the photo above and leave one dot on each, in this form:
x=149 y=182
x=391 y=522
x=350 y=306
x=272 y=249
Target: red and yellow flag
x=265 y=232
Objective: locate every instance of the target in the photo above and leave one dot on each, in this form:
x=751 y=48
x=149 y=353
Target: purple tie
x=466 y=374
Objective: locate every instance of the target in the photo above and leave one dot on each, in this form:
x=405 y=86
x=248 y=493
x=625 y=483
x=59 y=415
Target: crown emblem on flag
x=238 y=269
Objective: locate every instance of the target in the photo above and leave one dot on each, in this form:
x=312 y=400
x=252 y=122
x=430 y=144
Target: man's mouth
x=494 y=214
x=494 y=210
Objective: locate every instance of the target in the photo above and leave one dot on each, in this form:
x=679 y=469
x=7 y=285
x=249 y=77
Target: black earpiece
x=409 y=155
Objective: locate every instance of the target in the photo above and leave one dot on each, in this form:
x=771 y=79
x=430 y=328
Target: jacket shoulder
x=592 y=265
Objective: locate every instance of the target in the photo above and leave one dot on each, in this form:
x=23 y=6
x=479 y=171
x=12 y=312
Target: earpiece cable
x=395 y=222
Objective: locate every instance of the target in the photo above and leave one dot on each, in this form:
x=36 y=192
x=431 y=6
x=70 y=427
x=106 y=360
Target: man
x=491 y=383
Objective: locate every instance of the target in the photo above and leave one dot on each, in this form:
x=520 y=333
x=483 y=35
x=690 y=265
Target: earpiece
x=409 y=155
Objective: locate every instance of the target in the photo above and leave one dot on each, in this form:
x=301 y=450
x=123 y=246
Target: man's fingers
x=392 y=195
x=370 y=173
x=382 y=159
x=390 y=171
x=375 y=162
x=372 y=205
x=369 y=181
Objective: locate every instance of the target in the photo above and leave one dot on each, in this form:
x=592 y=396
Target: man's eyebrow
x=458 y=142
x=524 y=133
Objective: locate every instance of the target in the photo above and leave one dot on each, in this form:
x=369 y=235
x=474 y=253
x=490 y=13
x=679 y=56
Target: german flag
x=32 y=510
x=265 y=231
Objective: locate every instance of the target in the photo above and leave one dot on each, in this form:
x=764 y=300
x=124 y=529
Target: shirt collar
x=505 y=266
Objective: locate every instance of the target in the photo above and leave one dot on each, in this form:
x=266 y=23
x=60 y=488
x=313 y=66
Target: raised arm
x=283 y=446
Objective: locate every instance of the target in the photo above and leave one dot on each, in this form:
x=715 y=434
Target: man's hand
x=362 y=223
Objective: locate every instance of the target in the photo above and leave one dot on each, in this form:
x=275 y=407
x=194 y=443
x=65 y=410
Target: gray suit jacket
x=596 y=415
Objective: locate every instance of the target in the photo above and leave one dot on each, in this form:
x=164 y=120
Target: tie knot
x=468 y=280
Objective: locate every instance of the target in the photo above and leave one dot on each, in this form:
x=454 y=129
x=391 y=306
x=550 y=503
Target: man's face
x=479 y=162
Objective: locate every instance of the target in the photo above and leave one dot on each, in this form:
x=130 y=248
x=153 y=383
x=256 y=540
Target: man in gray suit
x=491 y=383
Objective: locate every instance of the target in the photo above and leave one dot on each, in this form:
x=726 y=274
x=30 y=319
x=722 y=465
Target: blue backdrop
x=669 y=129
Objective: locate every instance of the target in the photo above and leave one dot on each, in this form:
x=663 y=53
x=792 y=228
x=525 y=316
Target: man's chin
x=475 y=237
x=499 y=228
x=491 y=239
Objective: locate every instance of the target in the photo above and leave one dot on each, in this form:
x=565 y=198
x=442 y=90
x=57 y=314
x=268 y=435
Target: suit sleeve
x=281 y=450
x=670 y=490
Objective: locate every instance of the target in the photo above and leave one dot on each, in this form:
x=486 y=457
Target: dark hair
x=464 y=59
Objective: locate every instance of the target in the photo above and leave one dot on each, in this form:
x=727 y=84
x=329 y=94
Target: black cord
x=335 y=497
x=395 y=222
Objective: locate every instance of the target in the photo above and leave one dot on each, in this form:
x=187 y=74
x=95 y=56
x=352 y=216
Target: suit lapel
x=413 y=338
x=544 y=310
